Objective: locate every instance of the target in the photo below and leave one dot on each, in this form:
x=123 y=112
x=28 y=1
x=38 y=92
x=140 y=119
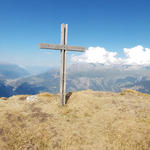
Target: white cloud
x=132 y=56
x=137 y=55
x=97 y=55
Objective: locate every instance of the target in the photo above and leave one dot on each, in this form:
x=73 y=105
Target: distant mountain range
x=79 y=77
x=9 y=72
x=12 y=71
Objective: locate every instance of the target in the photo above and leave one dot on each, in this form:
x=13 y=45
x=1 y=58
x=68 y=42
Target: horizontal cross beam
x=60 y=47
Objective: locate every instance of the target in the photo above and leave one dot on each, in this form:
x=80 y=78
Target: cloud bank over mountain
x=137 y=55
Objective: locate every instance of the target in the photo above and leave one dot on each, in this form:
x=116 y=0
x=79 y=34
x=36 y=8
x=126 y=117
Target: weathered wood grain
x=62 y=66
x=59 y=47
x=65 y=64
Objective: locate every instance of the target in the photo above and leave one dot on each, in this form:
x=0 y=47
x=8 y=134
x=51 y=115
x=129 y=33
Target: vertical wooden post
x=65 y=59
x=63 y=65
x=63 y=49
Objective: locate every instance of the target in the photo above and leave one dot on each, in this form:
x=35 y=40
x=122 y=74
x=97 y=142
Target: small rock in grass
x=31 y=98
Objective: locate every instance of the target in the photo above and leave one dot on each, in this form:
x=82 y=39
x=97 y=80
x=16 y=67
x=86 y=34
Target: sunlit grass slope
x=90 y=121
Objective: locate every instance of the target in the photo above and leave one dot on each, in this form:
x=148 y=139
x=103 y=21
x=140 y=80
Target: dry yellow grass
x=90 y=121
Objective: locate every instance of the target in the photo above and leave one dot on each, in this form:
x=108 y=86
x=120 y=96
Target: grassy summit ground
x=90 y=121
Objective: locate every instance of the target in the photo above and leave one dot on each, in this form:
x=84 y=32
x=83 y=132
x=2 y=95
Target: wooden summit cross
x=63 y=48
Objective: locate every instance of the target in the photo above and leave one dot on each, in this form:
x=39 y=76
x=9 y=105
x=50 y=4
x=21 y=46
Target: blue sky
x=112 y=24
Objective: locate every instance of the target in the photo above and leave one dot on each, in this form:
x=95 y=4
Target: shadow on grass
x=68 y=96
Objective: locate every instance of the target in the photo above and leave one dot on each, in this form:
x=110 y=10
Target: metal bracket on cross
x=63 y=48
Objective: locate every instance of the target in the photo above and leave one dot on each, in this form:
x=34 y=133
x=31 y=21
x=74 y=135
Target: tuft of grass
x=45 y=94
x=3 y=98
x=19 y=97
x=133 y=92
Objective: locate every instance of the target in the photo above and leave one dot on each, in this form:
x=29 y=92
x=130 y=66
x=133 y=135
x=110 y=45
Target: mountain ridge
x=86 y=76
x=12 y=71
